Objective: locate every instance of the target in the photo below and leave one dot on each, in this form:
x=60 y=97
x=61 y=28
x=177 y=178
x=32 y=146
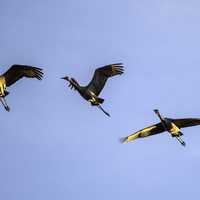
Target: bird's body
x=170 y=125
x=87 y=94
x=91 y=92
x=15 y=73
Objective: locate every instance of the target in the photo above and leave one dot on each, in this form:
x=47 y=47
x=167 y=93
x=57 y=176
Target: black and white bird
x=15 y=73
x=170 y=125
x=93 y=89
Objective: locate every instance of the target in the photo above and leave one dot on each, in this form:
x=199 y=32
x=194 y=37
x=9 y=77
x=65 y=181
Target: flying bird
x=15 y=73
x=172 y=126
x=93 y=89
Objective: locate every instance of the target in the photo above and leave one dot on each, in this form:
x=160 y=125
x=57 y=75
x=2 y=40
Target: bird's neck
x=79 y=88
x=160 y=117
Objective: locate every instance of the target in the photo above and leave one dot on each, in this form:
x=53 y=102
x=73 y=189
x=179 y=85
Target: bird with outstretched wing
x=148 y=131
x=93 y=89
x=15 y=73
x=101 y=75
x=172 y=126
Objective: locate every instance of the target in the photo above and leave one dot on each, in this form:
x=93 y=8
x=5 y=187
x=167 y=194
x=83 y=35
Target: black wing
x=151 y=130
x=17 y=72
x=187 y=122
x=102 y=74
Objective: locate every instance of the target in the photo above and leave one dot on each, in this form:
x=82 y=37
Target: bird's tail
x=100 y=100
x=100 y=107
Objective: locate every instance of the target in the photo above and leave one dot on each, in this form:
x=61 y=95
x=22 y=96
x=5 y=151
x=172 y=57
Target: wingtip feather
x=123 y=140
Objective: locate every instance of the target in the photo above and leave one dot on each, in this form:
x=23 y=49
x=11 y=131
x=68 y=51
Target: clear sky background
x=53 y=145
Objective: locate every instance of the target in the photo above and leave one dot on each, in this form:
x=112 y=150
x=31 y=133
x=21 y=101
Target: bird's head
x=66 y=78
x=156 y=111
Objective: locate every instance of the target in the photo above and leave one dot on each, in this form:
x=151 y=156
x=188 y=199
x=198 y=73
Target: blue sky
x=53 y=145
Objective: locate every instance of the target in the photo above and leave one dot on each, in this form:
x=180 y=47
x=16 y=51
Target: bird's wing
x=17 y=72
x=102 y=74
x=182 y=123
x=151 y=130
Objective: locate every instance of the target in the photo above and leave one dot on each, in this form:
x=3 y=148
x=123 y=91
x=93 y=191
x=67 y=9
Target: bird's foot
x=183 y=143
x=7 y=108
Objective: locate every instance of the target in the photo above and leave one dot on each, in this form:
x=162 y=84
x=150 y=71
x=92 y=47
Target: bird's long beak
x=65 y=78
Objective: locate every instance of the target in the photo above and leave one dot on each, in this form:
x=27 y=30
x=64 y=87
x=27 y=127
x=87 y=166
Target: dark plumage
x=17 y=72
x=172 y=126
x=93 y=89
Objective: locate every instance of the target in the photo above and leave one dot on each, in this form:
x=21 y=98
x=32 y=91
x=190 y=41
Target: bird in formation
x=170 y=125
x=93 y=89
x=15 y=73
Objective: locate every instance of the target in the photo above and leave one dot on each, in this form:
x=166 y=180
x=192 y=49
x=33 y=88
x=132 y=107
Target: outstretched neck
x=159 y=115
x=79 y=88
x=75 y=84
